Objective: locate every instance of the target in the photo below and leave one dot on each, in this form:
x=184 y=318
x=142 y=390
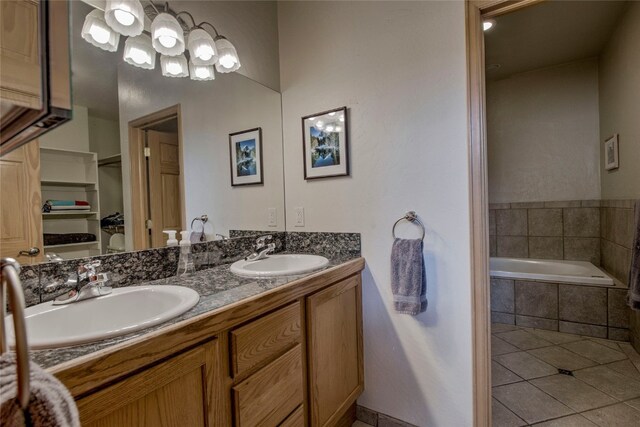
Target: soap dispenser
x=185 y=262
x=171 y=241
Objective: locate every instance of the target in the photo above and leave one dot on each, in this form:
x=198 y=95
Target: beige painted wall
x=620 y=105
x=400 y=68
x=542 y=129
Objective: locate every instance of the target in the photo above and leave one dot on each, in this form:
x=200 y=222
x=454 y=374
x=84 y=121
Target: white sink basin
x=123 y=311
x=279 y=265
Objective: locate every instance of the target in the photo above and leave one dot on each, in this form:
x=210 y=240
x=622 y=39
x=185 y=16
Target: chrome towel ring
x=410 y=216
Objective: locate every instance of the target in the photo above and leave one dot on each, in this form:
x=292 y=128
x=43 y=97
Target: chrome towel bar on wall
x=412 y=217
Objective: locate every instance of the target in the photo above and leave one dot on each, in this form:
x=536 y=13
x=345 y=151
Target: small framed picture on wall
x=245 y=153
x=325 y=138
x=611 y=152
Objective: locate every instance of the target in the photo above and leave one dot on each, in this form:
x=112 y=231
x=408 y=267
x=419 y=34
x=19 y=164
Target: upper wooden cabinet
x=35 y=79
x=334 y=340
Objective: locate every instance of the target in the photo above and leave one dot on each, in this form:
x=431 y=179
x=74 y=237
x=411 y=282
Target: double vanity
x=275 y=341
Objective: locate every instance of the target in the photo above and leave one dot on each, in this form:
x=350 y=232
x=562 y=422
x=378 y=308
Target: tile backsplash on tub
x=546 y=230
x=572 y=308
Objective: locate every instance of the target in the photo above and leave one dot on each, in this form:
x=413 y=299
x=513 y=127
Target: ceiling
x=94 y=71
x=549 y=33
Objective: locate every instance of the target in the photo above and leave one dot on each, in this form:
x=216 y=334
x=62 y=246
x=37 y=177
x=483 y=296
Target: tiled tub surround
x=546 y=230
x=572 y=308
x=44 y=282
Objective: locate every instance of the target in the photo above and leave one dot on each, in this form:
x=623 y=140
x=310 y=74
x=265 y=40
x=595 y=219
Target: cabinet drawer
x=267 y=397
x=264 y=338
x=296 y=419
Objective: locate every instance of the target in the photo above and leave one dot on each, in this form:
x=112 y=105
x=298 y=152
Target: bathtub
x=576 y=272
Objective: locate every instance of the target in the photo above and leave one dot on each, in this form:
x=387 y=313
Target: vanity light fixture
x=125 y=16
x=96 y=31
x=174 y=66
x=139 y=52
x=202 y=47
x=228 y=60
x=201 y=72
x=488 y=24
x=167 y=37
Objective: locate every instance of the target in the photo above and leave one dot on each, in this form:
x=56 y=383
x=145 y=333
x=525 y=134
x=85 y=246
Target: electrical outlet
x=299 y=219
x=272 y=217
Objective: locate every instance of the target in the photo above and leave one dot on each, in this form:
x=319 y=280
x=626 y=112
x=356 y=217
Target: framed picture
x=611 y=152
x=325 y=138
x=245 y=153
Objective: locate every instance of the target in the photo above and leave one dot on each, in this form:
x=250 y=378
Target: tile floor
x=603 y=390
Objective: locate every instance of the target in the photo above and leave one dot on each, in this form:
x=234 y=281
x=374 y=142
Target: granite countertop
x=217 y=287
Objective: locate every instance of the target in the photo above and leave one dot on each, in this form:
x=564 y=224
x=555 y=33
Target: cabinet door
x=179 y=392
x=334 y=324
x=21 y=204
x=20 y=75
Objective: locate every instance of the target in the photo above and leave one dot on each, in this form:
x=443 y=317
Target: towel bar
x=9 y=269
x=410 y=216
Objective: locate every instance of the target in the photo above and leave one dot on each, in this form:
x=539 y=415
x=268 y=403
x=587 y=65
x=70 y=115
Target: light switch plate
x=299 y=217
x=272 y=217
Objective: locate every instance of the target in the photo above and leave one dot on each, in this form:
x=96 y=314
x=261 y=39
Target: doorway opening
x=549 y=85
x=157 y=178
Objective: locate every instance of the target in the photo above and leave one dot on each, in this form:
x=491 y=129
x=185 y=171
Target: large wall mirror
x=145 y=153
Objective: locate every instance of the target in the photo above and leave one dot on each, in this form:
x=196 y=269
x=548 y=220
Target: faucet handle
x=263 y=239
x=88 y=270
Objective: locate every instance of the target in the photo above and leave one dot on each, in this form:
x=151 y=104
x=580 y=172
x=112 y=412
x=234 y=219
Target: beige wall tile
x=511 y=222
x=545 y=222
x=581 y=222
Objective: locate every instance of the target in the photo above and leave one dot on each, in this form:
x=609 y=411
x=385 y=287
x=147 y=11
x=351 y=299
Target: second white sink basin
x=123 y=311
x=279 y=265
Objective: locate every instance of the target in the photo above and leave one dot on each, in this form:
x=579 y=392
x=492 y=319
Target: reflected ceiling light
x=319 y=124
x=342 y=118
x=488 y=24
x=125 y=16
x=202 y=48
x=228 y=60
x=167 y=35
x=96 y=31
x=174 y=66
x=201 y=72
x=139 y=52
x=330 y=128
x=333 y=113
x=338 y=129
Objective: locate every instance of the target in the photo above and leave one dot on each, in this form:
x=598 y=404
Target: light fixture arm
x=154 y=7
x=184 y=12
x=209 y=24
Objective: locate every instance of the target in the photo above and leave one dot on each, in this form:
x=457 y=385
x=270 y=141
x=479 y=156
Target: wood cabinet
x=178 y=392
x=294 y=364
x=336 y=375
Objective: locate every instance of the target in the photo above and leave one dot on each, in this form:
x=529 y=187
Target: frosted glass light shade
x=202 y=48
x=139 y=52
x=201 y=72
x=228 y=60
x=125 y=16
x=96 y=31
x=166 y=35
x=174 y=66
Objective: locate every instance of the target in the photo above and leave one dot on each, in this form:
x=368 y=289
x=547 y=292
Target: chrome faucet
x=86 y=283
x=262 y=249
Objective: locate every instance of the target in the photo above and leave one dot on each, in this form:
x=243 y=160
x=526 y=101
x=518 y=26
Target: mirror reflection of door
x=20 y=216
x=164 y=200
